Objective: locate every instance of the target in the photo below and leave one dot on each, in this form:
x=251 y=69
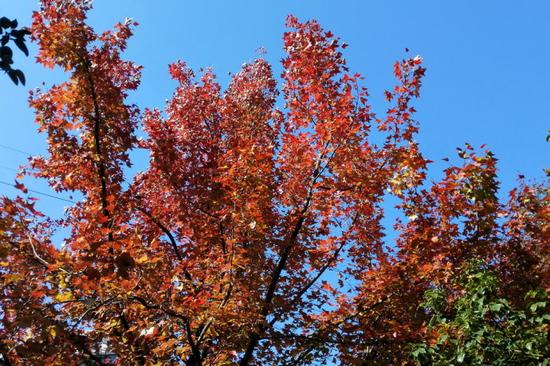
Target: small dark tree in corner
x=10 y=32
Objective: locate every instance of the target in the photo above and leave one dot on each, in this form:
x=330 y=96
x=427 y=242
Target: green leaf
x=535 y=306
x=20 y=43
x=19 y=74
x=5 y=23
x=13 y=77
x=460 y=356
x=419 y=351
x=6 y=52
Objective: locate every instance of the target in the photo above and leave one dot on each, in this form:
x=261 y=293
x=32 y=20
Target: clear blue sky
x=488 y=78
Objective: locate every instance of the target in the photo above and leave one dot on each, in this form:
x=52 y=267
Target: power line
x=38 y=192
x=8 y=168
x=15 y=149
x=15 y=170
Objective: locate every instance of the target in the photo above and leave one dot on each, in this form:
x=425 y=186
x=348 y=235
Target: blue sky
x=487 y=82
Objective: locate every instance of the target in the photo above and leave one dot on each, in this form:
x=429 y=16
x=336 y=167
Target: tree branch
x=40 y=259
x=165 y=230
x=319 y=274
x=255 y=336
x=97 y=140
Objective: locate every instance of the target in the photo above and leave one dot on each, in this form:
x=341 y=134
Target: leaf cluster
x=9 y=32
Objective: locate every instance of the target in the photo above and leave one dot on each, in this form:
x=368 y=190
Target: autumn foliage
x=254 y=234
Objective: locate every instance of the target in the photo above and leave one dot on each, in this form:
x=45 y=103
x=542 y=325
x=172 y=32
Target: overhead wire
x=15 y=170
x=8 y=168
x=39 y=192
x=15 y=149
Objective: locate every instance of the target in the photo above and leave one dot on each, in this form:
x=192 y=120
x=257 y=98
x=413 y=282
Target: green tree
x=482 y=328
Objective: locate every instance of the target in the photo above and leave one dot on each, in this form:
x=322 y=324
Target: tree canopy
x=254 y=236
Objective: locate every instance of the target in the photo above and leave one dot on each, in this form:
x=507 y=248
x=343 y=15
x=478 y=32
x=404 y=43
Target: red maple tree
x=254 y=235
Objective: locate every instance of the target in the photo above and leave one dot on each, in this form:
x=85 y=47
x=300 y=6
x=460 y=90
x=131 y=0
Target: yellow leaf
x=144 y=258
x=10 y=278
x=66 y=296
x=52 y=331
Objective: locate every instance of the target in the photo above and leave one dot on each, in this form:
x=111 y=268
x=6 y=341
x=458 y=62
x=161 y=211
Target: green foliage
x=10 y=33
x=480 y=328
